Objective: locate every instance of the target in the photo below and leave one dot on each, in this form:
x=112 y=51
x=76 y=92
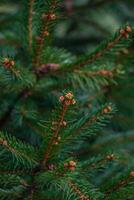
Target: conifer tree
x=54 y=143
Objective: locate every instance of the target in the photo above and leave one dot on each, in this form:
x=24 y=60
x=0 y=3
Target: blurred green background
x=92 y=21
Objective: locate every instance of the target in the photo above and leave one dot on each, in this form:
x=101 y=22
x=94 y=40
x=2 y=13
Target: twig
x=5 y=144
x=123 y=33
x=31 y=2
x=81 y=195
x=43 y=34
x=55 y=135
x=117 y=186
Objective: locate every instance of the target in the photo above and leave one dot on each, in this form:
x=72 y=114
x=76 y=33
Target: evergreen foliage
x=54 y=142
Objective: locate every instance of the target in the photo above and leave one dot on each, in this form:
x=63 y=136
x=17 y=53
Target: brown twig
x=43 y=34
x=97 y=55
x=80 y=194
x=87 y=123
x=6 y=145
x=118 y=186
x=55 y=135
x=123 y=33
x=31 y=2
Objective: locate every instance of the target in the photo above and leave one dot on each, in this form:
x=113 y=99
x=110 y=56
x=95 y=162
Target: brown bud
x=65 y=165
x=107 y=109
x=128 y=29
x=6 y=60
x=69 y=95
x=12 y=62
x=132 y=174
x=73 y=102
x=4 y=142
x=8 y=63
x=72 y=168
x=105 y=72
x=1 y=141
x=122 y=32
x=52 y=16
x=46 y=33
x=68 y=102
x=72 y=163
x=61 y=98
x=59 y=138
x=56 y=143
x=64 y=123
x=110 y=157
x=49 y=16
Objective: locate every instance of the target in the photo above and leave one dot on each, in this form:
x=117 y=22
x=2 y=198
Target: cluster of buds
x=3 y=142
x=110 y=157
x=107 y=109
x=105 y=72
x=49 y=16
x=8 y=63
x=57 y=140
x=132 y=173
x=46 y=33
x=67 y=99
x=125 y=32
x=55 y=123
x=70 y=165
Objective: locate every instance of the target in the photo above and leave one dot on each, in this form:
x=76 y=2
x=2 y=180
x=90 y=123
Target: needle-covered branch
x=21 y=153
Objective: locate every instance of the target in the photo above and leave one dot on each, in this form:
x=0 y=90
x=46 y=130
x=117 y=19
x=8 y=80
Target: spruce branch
x=78 y=192
x=44 y=33
x=5 y=144
x=102 y=72
x=66 y=102
x=118 y=186
x=21 y=152
x=104 y=112
x=9 y=64
x=99 y=163
x=123 y=33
